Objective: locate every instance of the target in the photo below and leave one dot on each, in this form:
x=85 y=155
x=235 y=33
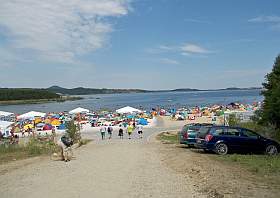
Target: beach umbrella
x=37 y=120
x=47 y=121
x=47 y=127
x=61 y=127
x=56 y=116
x=40 y=124
x=27 y=126
x=55 y=123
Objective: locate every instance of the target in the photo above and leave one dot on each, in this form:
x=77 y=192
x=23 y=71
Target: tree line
x=7 y=94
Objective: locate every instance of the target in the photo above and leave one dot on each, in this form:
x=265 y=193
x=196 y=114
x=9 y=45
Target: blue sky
x=147 y=44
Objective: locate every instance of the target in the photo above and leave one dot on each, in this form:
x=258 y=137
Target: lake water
x=145 y=101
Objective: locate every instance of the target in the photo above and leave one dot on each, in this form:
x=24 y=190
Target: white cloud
x=273 y=21
x=265 y=19
x=190 y=48
x=169 y=61
x=59 y=29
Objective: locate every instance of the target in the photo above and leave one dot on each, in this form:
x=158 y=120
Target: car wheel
x=221 y=149
x=271 y=150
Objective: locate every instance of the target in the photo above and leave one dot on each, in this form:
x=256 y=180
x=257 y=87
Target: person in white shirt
x=140 y=130
x=103 y=131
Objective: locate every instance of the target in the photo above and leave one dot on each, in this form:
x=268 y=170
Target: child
x=121 y=132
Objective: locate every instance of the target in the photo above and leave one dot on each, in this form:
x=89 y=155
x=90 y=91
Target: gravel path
x=110 y=168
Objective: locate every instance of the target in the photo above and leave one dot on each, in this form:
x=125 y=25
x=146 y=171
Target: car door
x=251 y=141
x=233 y=138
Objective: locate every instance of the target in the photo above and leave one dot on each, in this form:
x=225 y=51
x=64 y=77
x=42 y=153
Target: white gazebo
x=4 y=127
x=31 y=115
x=128 y=109
x=79 y=110
x=6 y=116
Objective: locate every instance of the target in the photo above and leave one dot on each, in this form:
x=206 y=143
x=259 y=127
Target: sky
x=145 y=44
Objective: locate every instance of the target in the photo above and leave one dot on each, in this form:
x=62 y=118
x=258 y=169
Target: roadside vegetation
x=34 y=147
x=168 y=137
x=37 y=146
x=260 y=164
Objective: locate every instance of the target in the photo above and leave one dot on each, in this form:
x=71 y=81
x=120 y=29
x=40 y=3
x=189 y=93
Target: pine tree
x=271 y=108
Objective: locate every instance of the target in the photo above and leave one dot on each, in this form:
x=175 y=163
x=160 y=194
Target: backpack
x=109 y=129
x=66 y=141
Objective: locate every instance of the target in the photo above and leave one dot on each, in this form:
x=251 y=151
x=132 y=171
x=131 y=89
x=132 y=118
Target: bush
x=233 y=120
x=73 y=131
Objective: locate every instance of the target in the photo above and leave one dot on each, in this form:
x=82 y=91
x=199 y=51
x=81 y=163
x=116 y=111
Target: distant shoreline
x=94 y=91
x=39 y=101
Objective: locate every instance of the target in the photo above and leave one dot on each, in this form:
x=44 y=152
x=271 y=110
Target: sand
x=110 y=168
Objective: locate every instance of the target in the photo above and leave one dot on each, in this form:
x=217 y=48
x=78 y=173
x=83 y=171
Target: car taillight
x=186 y=135
x=208 y=138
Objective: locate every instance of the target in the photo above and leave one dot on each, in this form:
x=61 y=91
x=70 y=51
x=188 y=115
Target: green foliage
x=34 y=147
x=73 y=131
x=271 y=108
x=269 y=130
x=26 y=94
x=233 y=120
x=261 y=164
x=167 y=137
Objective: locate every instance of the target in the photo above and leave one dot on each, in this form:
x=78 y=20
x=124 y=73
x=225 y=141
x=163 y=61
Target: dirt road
x=110 y=168
x=131 y=168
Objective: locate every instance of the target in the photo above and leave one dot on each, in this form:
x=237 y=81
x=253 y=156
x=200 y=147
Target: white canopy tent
x=4 y=127
x=6 y=116
x=79 y=110
x=31 y=115
x=128 y=109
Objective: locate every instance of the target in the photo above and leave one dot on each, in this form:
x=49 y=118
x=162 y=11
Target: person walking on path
x=110 y=131
x=130 y=129
x=120 y=131
x=140 y=130
x=102 y=131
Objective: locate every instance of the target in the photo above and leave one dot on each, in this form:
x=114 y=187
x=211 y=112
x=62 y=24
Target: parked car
x=224 y=139
x=188 y=133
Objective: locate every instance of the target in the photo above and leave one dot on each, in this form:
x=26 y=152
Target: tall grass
x=34 y=147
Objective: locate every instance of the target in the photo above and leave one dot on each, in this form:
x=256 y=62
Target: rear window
x=202 y=132
x=185 y=129
x=194 y=128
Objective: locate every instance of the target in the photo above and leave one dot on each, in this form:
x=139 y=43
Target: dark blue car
x=188 y=133
x=224 y=139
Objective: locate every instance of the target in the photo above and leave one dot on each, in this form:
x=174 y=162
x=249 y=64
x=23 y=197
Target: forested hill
x=7 y=94
x=88 y=91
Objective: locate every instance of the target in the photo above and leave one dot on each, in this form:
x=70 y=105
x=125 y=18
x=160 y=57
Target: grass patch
x=168 y=137
x=259 y=164
x=33 y=148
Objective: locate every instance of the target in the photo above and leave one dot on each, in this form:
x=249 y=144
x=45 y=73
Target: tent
x=142 y=121
x=4 y=125
x=79 y=110
x=5 y=116
x=128 y=109
x=31 y=115
x=47 y=127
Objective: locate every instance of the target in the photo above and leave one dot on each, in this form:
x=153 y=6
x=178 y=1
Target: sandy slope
x=110 y=168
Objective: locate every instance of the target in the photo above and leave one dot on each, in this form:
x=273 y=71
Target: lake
x=145 y=101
